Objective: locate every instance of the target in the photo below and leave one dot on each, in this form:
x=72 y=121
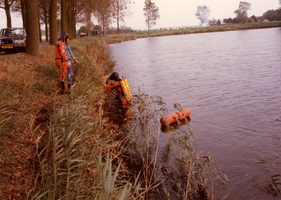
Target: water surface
x=231 y=83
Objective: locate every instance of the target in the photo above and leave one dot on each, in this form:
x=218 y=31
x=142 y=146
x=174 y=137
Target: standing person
x=113 y=83
x=62 y=64
x=66 y=38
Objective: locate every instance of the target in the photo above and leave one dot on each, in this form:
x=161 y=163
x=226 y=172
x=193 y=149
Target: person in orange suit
x=113 y=84
x=62 y=64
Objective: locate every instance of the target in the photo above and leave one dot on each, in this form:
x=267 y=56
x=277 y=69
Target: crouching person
x=113 y=84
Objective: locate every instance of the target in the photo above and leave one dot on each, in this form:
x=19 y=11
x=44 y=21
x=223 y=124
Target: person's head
x=114 y=76
x=65 y=37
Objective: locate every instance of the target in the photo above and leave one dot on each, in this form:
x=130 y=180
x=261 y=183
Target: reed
x=190 y=171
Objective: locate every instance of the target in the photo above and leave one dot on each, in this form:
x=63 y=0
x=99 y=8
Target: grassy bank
x=228 y=27
x=50 y=143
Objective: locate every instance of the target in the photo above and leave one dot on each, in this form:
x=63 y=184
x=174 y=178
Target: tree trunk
x=64 y=20
x=118 y=30
x=46 y=26
x=32 y=32
x=23 y=13
x=39 y=27
x=8 y=14
x=53 y=22
x=71 y=20
x=118 y=15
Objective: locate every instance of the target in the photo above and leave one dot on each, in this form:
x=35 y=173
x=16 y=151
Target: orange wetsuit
x=61 y=59
x=116 y=86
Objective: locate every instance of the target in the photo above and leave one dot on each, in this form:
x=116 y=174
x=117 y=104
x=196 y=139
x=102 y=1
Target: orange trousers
x=63 y=75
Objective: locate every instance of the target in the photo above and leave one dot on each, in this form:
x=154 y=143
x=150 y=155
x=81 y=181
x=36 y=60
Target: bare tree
x=119 y=8
x=53 y=22
x=19 y=7
x=32 y=28
x=44 y=8
x=203 y=13
x=103 y=11
x=151 y=13
x=241 y=12
x=6 y=5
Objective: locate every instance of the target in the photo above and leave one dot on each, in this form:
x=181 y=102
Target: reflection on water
x=231 y=83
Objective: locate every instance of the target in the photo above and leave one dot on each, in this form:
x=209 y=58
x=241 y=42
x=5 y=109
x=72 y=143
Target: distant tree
x=203 y=13
x=225 y=21
x=272 y=15
x=103 y=11
x=44 y=11
x=19 y=7
x=241 y=12
x=151 y=14
x=219 y=22
x=32 y=28
x=118 y=11
x=53 y=22
x=6 y=5
x=254 y=18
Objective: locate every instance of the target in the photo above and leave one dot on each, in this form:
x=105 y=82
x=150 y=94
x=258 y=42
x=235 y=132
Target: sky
x=175 y=13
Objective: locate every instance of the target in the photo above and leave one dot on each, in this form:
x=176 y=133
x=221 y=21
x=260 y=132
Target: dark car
x=12 y=40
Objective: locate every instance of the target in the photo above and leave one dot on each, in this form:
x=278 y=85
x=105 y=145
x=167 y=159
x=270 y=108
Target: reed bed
x=182 y=172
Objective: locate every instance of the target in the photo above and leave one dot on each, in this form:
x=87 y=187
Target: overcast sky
x=178 y=12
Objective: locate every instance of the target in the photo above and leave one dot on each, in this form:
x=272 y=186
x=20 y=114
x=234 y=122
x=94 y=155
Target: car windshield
x=15 y=31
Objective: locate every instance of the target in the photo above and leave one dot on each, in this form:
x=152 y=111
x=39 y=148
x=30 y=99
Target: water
x=231 y=83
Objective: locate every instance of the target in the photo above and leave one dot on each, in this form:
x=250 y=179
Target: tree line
x=203 y=13
x=62 y=16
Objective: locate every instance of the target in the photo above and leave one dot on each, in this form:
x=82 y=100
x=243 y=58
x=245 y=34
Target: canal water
x=231 y=82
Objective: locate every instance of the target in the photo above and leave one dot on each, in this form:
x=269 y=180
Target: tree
x=53 y=22
x=272 y=15
x=32 y=28
x=64 y=24
x=241 y=12
x=119 y=7
x=254 y=18
x=6 y=5
x=19 y=6
x=219 y=22
x=44 y=8
x=203 y=13
x=151 y=13
x=103 y=13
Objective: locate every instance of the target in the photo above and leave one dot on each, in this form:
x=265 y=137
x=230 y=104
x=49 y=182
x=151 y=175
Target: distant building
x=170 y=28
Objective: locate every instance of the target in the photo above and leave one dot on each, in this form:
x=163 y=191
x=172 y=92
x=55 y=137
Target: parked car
x=83 y=34
x=12 y=40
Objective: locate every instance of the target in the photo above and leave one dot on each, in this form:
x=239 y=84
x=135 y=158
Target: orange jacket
x=60 y=51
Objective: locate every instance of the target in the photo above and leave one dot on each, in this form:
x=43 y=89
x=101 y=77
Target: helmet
x=114 y=76
x=65 y=36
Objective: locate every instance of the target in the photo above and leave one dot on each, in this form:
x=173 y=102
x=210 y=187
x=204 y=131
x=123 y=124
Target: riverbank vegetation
x=215 y=28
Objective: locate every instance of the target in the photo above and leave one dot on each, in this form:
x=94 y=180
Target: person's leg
x=70 y=73
x=60 y=67
x=64 y=78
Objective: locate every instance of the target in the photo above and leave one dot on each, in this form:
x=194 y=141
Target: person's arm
x=72 y=55
x=76 y=61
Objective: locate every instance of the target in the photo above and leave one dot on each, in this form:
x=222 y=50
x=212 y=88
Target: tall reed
x=191 y=171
